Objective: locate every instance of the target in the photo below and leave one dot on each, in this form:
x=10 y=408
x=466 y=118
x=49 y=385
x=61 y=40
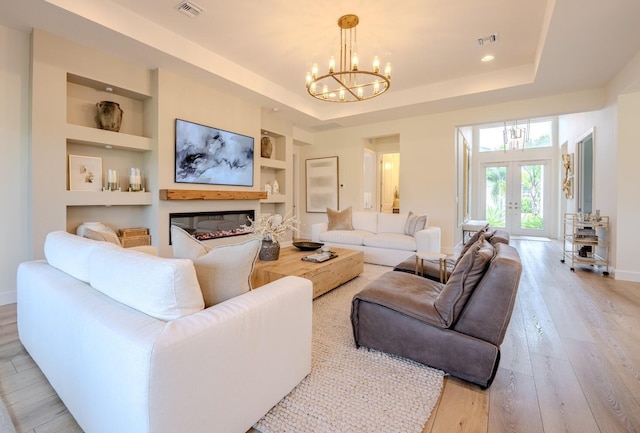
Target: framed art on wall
x=85 y=173
x=322 y=184
x=212 y=156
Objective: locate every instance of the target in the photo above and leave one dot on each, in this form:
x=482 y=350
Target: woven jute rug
x=354 y=390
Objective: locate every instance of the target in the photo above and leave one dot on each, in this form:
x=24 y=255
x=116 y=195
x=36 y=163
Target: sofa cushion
x=415 y=223
x=339 y=219
x=367 y=221
x=224 y=271
x=391 y=222
x=394 y=241
x=349 y=237
x=69 y=253
x=162 y=288
x=463 y=280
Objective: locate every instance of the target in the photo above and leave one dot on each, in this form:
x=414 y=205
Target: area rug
x=354 y=390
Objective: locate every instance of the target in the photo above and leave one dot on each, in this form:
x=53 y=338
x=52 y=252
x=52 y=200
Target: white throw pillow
x=162 y=288
x=223 y=272
x=186 y=246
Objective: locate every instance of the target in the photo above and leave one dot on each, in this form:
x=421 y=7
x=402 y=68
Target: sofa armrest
x=428 y=240
x=316 y=229
x=232 y=362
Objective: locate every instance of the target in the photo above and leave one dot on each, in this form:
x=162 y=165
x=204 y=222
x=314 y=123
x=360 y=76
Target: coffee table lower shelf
x=325 y=276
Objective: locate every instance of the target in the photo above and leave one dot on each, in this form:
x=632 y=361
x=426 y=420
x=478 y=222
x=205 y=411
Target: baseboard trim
x=8 y=297
x=627 y=276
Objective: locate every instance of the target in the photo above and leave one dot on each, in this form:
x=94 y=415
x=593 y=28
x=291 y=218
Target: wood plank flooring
x=570 y=361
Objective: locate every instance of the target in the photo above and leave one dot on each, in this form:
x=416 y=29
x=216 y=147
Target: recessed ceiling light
x=487 y=58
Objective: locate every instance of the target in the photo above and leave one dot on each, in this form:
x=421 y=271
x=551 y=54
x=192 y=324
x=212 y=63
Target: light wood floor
x=570 y=361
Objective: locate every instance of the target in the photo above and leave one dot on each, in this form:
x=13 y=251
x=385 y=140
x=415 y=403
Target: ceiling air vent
x=190 y=9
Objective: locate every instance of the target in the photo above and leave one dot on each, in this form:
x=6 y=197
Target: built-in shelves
x=101 y=138
x=108 y=198
x=274 y=164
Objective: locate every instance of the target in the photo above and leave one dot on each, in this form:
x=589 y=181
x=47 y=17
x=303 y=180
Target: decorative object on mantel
x=271 y=229
x=266 y=147
x=275 y=189
x=109 y=115
x=268 y=189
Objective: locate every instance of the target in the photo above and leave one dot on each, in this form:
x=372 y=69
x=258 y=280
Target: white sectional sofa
x=124 y=339
x=381 y=236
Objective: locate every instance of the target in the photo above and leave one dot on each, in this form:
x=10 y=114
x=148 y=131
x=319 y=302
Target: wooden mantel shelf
x=195 y=194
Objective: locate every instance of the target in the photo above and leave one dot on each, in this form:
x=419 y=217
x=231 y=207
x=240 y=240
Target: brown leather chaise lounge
x=456 y=327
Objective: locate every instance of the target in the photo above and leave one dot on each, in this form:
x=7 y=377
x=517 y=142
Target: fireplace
x=212 y=225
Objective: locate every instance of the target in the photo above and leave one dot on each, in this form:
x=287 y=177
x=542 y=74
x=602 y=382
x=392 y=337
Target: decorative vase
x=266 y=147
x=269 y=250
x=109 y=115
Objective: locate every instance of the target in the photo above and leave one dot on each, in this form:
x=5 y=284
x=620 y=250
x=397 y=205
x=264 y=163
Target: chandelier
x=348 y=83
x=515 y=137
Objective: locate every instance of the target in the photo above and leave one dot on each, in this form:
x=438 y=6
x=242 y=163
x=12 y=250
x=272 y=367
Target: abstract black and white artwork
x=212 y=156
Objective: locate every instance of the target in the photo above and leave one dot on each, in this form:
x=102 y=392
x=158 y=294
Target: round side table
x=422 y=256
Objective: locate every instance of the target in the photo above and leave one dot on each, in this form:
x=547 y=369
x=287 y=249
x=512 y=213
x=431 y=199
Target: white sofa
x=188 y=369
x=381 y=236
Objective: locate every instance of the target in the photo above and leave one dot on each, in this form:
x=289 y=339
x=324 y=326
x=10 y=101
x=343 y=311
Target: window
x=491 y=138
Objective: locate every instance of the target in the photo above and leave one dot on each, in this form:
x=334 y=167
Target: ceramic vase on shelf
x=109 y=115
x=266 y=147
x=269 y=250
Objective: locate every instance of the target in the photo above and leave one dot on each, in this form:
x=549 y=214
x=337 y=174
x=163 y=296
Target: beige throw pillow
x=340 y=220
x=104 y=236
x=223 y=272
x=415 y=223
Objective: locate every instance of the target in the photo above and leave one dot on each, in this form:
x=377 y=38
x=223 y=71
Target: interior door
x=515 y=196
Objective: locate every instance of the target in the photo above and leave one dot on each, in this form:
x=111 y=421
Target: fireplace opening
x=212 y=225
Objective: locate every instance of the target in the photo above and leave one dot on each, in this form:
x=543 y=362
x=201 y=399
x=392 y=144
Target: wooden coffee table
x=325 y=276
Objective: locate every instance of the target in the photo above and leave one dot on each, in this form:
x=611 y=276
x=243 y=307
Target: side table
x=422 y=256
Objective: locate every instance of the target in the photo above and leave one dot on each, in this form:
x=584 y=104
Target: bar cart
x=586 y=240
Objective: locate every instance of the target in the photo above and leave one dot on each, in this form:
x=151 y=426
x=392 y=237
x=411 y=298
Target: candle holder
x=112 y=181
x=135 y=180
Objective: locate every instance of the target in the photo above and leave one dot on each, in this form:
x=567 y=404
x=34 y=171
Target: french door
x=516 y=196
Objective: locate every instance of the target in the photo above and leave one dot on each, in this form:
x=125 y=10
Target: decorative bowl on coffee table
x=307 y=245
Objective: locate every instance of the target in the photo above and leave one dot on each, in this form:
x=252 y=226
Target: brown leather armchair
x=456 y=327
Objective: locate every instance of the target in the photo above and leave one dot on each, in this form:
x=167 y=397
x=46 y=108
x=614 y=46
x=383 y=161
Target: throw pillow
x=463 y=280
x=186 y=246
x=224 y=271
x=104 y=236
x=339 y=219
x=472 y=241
x=415 y=223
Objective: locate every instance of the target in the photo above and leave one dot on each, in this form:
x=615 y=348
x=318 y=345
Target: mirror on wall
x=585 y=169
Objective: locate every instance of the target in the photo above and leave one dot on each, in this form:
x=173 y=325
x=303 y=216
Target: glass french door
x=517 y=196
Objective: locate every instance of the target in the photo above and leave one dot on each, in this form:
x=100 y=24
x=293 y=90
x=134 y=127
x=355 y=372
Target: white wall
x=427 y=150
x=628 y=203
x=573 y=126
x=14 y=164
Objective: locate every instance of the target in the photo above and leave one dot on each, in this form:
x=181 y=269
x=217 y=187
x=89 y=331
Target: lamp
x=515 y=137
x=349 y=83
